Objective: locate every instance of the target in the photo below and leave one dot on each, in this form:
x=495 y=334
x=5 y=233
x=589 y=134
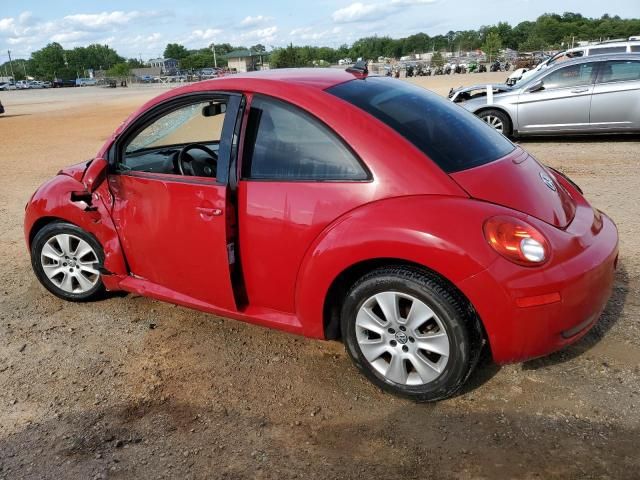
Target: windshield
x=452 y=137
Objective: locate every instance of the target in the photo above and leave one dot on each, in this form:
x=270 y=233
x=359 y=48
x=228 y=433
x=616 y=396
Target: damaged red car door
x=170 y=197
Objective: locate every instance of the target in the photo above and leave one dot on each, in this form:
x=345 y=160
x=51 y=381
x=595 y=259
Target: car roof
x=622 y=43
x=288 y=83
x=596 y=58
x=320 y=78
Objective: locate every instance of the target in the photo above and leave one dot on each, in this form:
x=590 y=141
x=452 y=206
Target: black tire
x=42 y=237
x=455 y=315
x=492 y=113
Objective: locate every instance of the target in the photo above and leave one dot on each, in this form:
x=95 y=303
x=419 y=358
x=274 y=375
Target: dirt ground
x=129 y=387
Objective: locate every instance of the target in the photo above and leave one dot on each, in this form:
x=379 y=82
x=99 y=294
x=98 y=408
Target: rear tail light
x=516 y=240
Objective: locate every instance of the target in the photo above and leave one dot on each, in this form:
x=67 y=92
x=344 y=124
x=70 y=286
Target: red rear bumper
x=565 y=298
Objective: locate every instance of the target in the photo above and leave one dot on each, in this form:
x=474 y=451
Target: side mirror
x=214 y=109
x=536 y=87
x=95 y=174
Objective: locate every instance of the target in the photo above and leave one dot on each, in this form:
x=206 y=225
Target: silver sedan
x=598 y=94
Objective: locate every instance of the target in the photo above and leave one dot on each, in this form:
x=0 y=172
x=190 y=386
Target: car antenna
x=359 y=69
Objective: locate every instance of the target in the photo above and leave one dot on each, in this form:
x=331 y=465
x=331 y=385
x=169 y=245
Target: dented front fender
x=60 y=199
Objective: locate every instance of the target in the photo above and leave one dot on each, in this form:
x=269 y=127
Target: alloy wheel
x=69 y=263
x=402 y=338
x=495 y=122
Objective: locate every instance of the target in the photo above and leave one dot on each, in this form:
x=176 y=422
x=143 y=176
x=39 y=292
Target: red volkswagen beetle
x=333 y=204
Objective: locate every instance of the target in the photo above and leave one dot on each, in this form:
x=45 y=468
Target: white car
x=7 y=86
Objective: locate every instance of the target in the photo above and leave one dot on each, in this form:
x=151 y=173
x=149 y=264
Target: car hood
x=519 y=182
x=497 y=88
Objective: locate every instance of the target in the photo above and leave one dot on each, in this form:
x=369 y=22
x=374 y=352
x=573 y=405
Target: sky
x=143 y=28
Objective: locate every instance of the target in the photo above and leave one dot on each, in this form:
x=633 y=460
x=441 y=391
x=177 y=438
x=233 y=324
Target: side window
x=569 y=76
x=285 y=143
x=563 y=57
x=635 y=48
x=156 y=147
x=619 y=71
x=607 y=50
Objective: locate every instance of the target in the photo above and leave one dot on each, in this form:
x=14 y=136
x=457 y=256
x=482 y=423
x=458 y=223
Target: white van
x=630 y=46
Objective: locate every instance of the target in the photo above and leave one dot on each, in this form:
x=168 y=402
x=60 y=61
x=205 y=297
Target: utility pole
x=11 y=64
x=24 y=66
x=215 y=61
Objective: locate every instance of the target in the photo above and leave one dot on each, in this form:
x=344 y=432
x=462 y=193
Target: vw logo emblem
x=548 y=181
x=401 y=338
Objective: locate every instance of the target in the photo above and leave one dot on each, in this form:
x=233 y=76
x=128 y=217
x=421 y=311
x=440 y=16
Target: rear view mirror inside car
x=214 y=109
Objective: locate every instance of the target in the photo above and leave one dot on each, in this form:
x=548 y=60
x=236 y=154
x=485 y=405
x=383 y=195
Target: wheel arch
x=415 y=232
x=40 y=223
x=349 y=276
x=54 y=202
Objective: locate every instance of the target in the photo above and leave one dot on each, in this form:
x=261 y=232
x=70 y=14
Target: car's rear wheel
x=410 y=333
x=498 y=120
x=65 y=259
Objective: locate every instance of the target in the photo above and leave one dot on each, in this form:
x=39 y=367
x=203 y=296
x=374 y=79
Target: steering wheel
x=184 y=158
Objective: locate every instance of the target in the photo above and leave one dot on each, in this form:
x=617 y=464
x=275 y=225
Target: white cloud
x=102 y=20
x=69 y=37
x=255 y=21
x=358 y=11
x=311 y=34
x=7 y=24
x=260 y=35
x=208 y=34
x=25 y=32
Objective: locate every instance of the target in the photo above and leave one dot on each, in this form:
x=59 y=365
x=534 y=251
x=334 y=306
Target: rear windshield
x=452 y=137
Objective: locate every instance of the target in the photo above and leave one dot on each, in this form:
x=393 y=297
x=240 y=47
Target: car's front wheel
x=65 y=259
x=410 y=333
x=498 y=120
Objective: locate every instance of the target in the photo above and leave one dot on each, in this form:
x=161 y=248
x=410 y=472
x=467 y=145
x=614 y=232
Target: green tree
x=258 y=48
x=119 y=70
x=175 y=50
x=492 y=45
x=288 y=57
x=437 y=60
x=135 y=63
x=50 y=62
x=200 y=59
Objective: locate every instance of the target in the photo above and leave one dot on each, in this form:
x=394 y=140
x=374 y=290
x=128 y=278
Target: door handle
x=209 y=212
x=580 y=90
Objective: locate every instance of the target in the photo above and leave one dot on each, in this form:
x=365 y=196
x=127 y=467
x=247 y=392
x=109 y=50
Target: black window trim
x=368 y=176
x=232 y=100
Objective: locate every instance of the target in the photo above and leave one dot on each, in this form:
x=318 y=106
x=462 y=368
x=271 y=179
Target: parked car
x=22 y=85
x=7 y=86
x=589 y=94
x=332 y=204
x=86 y=82
x=60 y=83
x=604 y=48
